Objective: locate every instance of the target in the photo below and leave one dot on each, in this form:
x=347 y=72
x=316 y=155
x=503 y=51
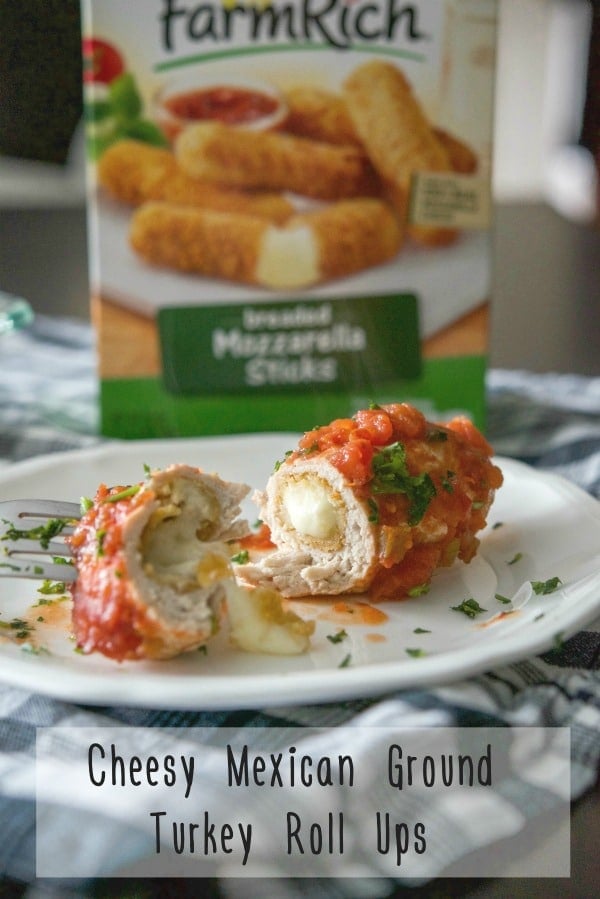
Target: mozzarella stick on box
x=334 y=242
x=323 y=115
x=273 y=161
x=133 y=173
x=396 y=134
x=319 y=115
x=351 y=235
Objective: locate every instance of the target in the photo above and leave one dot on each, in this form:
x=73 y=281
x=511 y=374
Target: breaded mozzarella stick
x=273 y=161
x=320 y=115
x=339 y=240
x=323 y=115
x=396 y=134
x=133 y=173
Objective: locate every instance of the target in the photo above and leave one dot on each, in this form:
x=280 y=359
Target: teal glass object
x=15 y=313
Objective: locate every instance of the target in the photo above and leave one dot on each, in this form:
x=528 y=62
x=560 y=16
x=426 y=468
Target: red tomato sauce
x=230 y=105
x=455 y=457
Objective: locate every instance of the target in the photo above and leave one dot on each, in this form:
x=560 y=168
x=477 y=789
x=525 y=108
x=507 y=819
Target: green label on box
x=333 y=344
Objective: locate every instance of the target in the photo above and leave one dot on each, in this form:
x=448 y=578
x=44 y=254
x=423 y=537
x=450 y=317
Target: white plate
x=549 y=526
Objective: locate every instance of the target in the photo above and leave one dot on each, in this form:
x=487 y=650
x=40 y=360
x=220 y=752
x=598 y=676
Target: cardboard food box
x=289 y=209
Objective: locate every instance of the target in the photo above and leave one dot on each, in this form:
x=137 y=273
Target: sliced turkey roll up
x=374 y=503
x=152 y=563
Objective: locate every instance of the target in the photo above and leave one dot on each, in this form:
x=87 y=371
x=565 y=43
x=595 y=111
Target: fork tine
x=20 y=510
x=38 y=570
x=21 y=548
x=33 y=547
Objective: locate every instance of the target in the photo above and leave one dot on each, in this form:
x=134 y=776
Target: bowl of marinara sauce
x=239 y=103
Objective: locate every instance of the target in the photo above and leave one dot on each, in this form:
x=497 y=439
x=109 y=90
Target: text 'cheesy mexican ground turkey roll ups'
x=152 y=563
x=375 y=503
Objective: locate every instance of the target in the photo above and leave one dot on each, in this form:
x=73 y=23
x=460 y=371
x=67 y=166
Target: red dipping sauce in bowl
x=239 y=104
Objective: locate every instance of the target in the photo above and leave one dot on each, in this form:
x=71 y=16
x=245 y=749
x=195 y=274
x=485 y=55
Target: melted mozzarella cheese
x=309 y=509
x=288 y=258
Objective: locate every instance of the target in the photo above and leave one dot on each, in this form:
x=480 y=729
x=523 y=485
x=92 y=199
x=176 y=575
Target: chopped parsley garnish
x=497 y=524
x=541 y=588
x=203 y=650
x=278 y=464
x=50 y=602
x=447 y=482
x=43 y=533
x=337 y=638
x=34 y=650
x=516 y=558
x=469 y=607
x=123 y=494
x=85 y=504
x=22 y=628
x=100 y=536
x=373 y=511
x=391 y=475
x=438 y=435
x=147 y=470
x=373 y=405
x=8 y=565
x=415 y=653
x=503 y=599
x=242 y=557
x=419 y=590
x=313 y=448
x=345 y=661
x=421 y=630
x=50 y=588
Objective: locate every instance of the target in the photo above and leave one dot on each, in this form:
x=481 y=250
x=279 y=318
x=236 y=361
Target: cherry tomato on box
x=102 y=63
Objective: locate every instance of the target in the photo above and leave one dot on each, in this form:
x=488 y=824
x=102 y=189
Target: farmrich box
x=289 y=209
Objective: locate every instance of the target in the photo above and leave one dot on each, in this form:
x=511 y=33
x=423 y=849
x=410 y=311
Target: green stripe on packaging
x=141 y=407
x=335 y=345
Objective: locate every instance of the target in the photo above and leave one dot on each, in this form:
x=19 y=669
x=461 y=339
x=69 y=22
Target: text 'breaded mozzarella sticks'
x=134 y=173
x=273 y=161
x=336 y=241
x=396 y=134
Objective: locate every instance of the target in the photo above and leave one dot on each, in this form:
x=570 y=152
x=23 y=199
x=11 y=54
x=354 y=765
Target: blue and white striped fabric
x=48 y=403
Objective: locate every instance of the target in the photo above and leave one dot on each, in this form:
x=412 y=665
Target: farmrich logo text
x=336 y=23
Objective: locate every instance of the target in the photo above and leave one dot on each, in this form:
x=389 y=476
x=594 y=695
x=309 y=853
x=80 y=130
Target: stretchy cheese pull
x=274 y=161
x=333 y=242
x=396 y=135
x=134 y=173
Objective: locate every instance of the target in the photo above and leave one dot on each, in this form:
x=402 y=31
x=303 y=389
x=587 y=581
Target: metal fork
x=33 y=528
